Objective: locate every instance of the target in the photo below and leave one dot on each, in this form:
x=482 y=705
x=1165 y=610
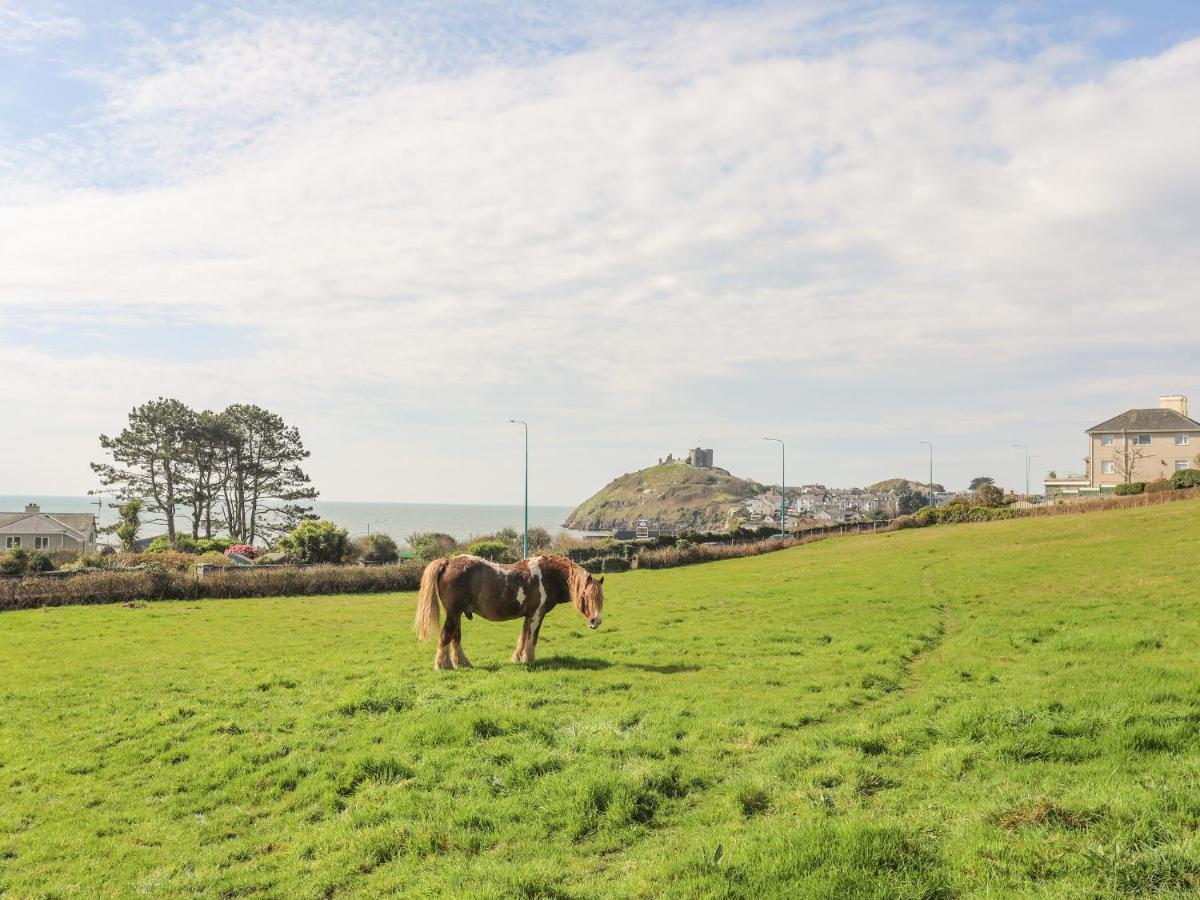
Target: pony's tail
x=429 y=601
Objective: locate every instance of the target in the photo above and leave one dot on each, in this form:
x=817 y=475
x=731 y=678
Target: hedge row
x=161 y=584
x=688 y=554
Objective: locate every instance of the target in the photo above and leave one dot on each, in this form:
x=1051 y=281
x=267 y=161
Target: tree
x=1127 y=456
x=979 y=480
x=315 y=542
x=148 y=457
x=126 y=529
x=909 y=501
x=539 y=539
x=378 y=548
x=430 y=545
x=262 y=482
x=204 y=451
x=496 y=551
x=989 y=495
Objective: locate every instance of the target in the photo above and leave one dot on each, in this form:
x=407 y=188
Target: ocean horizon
x=461 y=520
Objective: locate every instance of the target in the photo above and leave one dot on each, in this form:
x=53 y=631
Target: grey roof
x=80 y=524
x=1147 y=420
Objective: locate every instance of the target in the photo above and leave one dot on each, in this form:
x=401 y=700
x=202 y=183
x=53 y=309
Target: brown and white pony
x=466 y=585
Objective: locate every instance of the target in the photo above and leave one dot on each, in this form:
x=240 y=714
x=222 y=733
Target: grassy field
x=984 y=710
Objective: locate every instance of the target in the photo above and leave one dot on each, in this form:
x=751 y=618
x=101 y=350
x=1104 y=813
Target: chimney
x=32 y=508
x=1177 y=402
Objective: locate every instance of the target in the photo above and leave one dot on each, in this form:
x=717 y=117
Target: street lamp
x=526 y=540
x=930 y=446
x=782 y=486
x=1026 y=449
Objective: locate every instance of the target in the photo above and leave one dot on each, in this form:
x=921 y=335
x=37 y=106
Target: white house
x=35 y=530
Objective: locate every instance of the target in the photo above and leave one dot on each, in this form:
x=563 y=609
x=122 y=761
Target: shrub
x=988 y=495
x=496 y=551
x=1186 y=478
x=378 y=548
x=601 y=564
x=429 y=545
x=212 y=558
x=246 y=550
x=161 y=544
x=207 y=545
x=14 y=562
x=1163 y=484
x=95 y=560
x=39 y=562
x=315 y=541
x=156 y=583
x=902 y=522
x=1128 y=490
x=927 y=515
x=539 y=539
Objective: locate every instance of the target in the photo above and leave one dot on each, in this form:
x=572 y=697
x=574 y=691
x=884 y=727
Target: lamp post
x=1026 y=449
x=782 y=486
x=526 y=539
x=930 y=446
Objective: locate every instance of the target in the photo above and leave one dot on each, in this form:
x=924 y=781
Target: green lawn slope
x=982 y=710
x=668 y=493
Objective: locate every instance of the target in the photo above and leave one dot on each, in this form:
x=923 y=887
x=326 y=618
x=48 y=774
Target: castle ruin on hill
x=698 y=457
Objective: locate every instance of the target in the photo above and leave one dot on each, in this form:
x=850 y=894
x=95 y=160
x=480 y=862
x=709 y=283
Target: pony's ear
x=600 y=579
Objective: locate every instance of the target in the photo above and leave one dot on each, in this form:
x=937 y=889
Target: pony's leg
x=522 y=642
x=531 y=643
x=457 y=656
x=450 y=633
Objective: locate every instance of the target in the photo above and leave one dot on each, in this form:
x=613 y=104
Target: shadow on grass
x=669 y=669
x=571 y=662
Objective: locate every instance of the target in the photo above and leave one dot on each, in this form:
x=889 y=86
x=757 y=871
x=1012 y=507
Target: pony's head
x=587 y=593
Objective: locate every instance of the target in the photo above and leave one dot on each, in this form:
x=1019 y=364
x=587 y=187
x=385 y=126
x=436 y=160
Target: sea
x=462 y=521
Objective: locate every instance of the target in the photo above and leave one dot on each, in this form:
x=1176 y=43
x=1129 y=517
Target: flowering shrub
x=246 y=550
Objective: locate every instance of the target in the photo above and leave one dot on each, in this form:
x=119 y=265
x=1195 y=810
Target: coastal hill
x=672 y=492
x=893 y=485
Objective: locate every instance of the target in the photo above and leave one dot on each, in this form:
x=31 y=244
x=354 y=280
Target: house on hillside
x=35 y=530
x=1137 y=445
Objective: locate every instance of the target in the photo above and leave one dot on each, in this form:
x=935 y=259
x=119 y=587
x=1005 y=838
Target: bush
x=902 y=522
x=207 y=545
x=602 y=564
x=39 y=562
x=212 y=558
x=183 y=543
x=156 y=583
x=14 y=562
x=989 y=495
x=1163 y=484
x=496 y=551
x=94 y=560
x=1128 y=490
x=430 y=545
x=246 y=550
x=378 y=548
x=1186 y=478
x=315 y=541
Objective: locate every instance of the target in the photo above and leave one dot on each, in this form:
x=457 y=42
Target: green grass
x=986 y=710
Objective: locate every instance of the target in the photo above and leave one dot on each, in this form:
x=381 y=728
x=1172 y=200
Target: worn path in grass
x=988 y=710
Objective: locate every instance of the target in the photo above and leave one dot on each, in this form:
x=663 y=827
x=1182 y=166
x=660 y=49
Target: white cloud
x=702 y=224
x=22 y=30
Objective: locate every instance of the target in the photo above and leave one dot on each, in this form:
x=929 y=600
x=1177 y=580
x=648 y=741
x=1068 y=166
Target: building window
x=1181 y=440
x=1108 y=467
x=12 y=542
x=41 y=543
x=1141 y=439
x=1181 y=465
x=1107 y=440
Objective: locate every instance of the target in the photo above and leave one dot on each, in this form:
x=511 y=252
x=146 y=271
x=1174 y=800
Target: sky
x=641 y=227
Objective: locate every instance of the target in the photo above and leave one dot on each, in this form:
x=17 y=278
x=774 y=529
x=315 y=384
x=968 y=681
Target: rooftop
x=1147 y=420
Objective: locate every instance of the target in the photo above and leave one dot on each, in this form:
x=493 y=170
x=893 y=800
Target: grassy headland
x=992 y=710
x=671 y=492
